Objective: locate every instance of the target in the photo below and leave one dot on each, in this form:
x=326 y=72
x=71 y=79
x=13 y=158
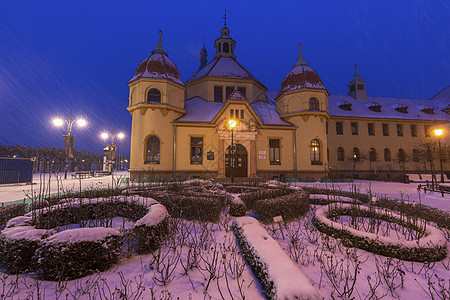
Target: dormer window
x=346 y=106
x=154 y=95
x=402 y=108
x=428 y=110
x=374 y=106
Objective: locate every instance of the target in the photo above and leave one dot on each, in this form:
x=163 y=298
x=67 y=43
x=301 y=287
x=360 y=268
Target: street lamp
x=438 y=133
x=68 y=139
x=232 y=124
x=111 y=147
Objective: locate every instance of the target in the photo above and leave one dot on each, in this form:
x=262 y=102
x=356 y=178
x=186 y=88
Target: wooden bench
x=82 y=175
x=101 y=173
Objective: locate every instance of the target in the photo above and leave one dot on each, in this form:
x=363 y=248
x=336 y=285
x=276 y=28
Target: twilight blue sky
x=57 y=55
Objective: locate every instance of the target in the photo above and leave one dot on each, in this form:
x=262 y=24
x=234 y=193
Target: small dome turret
x=357 y=87
x=158 y=66
x=302 y=76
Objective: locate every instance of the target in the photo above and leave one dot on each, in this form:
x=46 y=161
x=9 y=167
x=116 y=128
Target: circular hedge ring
x=431 y=247
x=31 y=242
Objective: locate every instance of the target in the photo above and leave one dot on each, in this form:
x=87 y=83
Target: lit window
x=196 y=150
x=154 y=96
x=315 y=152
x=153 y=150
x=274 y=151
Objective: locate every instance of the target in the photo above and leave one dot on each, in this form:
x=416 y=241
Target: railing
x=9 y=177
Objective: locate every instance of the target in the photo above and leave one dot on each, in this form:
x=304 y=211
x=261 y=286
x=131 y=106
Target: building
x=182 y=129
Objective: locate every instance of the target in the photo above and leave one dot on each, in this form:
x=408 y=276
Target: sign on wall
x=262 y=154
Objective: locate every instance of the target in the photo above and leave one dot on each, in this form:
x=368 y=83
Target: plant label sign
x=278 y=219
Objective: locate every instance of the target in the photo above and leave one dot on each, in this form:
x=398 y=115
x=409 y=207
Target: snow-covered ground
x=183 y=267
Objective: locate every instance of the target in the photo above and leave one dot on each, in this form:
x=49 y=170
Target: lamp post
x=438 y=133
x=68 y=139
x=232 y=124
x=112 y=147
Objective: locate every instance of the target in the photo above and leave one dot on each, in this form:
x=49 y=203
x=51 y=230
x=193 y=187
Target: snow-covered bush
x=237 y=207
x=243 y=188
x=17 y=247
x=261 y=193
x=8 y=212
x=431 y=247
x=151 y=229
x=77 y=252
x=277 y=273
x=290 y=206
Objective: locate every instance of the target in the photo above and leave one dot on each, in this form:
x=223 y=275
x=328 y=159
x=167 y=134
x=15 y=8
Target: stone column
x=221 y=159
x=252 y=159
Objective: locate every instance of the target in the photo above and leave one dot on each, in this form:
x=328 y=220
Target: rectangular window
x=218 y=93
x=242 y=114
x=371 y=128
x=413 y=130
x=196 y=150
x=354 y=127
x=360 y=86
x=231 y=113
x=274 y=152
x=427 y=129
x=399 y=130
x=385 y=129
x=228 y=91
x=339 y=128
x=242 y=90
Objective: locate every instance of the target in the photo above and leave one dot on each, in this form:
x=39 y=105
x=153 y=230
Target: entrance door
x=239 y=161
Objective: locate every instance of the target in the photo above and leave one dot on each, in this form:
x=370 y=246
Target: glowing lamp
x=81 y=122
x=58 y=122
x=120 y=135
x=438 y=132
x=104 y=135
x=232 y=123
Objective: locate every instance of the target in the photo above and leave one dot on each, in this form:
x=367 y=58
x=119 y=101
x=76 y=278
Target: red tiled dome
x=301 y=77
x=157 y=66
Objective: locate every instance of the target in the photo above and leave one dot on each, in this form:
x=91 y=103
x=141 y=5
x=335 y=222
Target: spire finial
x=356 y=71
x=159 y=48
x=225 y=18
x=300 y=60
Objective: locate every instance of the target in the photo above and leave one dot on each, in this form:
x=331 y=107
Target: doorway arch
x=240 y=161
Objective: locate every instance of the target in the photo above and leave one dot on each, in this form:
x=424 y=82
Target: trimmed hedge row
x=250 y=198
x=8 y=212
x=430 y=250
x=323 y=191
x=237 y=208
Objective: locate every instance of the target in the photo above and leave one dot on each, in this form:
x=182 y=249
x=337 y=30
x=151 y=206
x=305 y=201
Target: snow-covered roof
x=443 y=95
x=224 y=67
x=302 y=76
x=360 y=108
x=268 y=114
x=157 y=66
x=200 y=110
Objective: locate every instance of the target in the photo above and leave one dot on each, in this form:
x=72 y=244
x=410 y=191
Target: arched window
x=226 y=47
x=401 y=155
x=313 y=104
x=315 y=152
x=153 y=150
x=373 y=154
x=340 y=154
x=356 y=154
x=387 y=154
x=154 y=95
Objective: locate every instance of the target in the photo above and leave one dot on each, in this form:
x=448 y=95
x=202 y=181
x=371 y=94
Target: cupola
x=158 y=66
x=357 y=87
x=224 y=44
x=302 y=76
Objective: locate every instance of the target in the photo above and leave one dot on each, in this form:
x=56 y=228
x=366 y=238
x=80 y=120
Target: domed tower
x=303 y=101
x=156 y=99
